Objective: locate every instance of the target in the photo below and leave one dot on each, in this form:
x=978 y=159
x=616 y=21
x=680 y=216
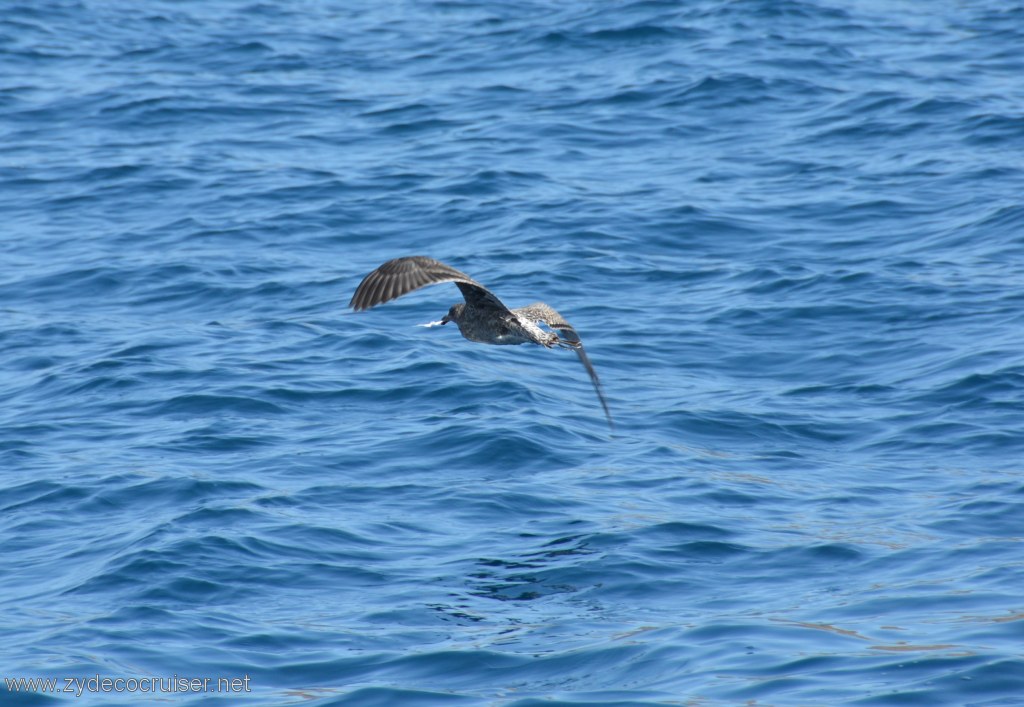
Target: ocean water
x=790 y=233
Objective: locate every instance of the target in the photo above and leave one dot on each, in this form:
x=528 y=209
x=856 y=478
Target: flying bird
x=482 y=317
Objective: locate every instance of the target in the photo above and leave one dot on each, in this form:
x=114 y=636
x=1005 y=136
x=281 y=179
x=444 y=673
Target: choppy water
x=790 y=233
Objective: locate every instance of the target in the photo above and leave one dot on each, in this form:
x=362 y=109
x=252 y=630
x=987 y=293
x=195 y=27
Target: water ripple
x=788 y=233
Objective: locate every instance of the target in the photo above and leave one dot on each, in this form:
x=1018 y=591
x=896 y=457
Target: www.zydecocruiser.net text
x=79 y=686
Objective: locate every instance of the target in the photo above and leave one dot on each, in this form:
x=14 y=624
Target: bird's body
x=482 y=317
x=488 y=326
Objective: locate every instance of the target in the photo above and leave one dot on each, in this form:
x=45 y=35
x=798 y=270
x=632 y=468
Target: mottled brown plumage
x=482 y=317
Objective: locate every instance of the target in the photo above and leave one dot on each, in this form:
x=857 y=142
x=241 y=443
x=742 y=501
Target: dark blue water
x=791 y=235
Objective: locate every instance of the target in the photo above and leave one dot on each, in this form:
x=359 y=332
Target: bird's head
x=453 y=314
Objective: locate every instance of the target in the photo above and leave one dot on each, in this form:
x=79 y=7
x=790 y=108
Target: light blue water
x=791 y=235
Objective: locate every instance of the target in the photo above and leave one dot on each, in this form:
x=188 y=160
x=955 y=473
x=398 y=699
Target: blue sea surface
x=789 y=232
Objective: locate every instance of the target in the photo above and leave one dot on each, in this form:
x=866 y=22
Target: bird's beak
x=445 y=319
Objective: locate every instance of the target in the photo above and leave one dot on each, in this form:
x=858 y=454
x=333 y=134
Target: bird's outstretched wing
x=403 y=275
x=539 y=312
